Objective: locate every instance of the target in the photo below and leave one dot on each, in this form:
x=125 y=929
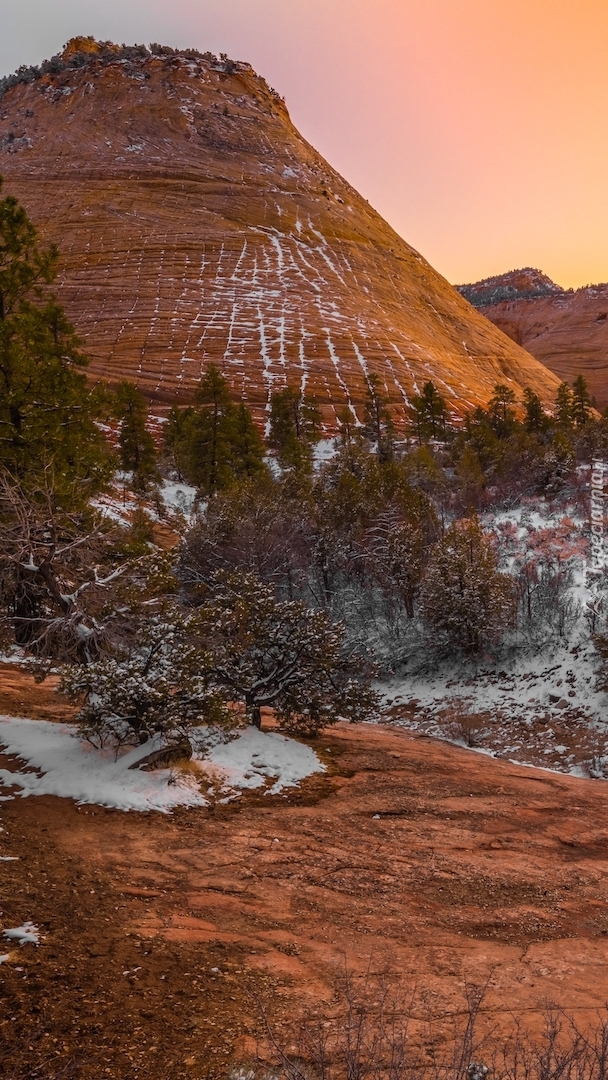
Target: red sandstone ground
x=197 y=225
x=439 y=864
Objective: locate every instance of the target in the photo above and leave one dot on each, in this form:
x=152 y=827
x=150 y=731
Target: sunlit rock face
x=566 y=329
x=196 y=225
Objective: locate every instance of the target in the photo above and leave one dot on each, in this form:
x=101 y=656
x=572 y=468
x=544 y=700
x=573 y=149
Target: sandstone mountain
x=196 y=224
x=566 y=329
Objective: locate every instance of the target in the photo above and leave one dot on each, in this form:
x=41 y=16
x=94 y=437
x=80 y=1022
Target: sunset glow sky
x=478 y=128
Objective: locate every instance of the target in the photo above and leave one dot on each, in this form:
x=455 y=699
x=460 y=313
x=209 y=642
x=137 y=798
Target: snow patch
x=73 y=769
x=178 y=496
x=255 y=756
x=28 y=934
x=67 y=767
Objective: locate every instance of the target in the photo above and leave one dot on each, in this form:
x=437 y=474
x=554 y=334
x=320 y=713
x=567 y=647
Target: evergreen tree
x=137 y=447
x=564 y=406
x=207 y=430
x=160 y=683
x=429 y=412
x=379 y=427
x=581 y=402
x=47 y=411
x=500 y=411
x=536 y=419
x=348 y=426
x=214 y=443
x=465 y=601
x=175 y=440
x=246 y=448
x=295 y=427
x=282 y=654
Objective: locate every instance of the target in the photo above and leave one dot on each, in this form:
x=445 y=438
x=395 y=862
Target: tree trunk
x=26 y=608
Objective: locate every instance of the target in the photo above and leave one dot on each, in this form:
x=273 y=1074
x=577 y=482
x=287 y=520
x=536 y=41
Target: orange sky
x=476 y=127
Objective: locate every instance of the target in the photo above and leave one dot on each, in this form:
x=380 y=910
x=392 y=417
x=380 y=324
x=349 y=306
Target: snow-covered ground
x=120 y=503
x=539 y=704
x=256 y=757
x=57 y=762
x=178 y=496
x=546 y=713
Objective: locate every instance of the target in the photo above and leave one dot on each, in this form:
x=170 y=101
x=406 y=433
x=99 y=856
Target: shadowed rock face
x=566 y=330
x=196 y=225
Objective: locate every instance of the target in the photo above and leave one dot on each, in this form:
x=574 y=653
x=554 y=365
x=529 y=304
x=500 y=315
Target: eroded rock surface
x=566 y=329
x=438 y=864
x=196 y=225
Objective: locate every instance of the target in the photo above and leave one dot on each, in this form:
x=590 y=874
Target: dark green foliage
x=429 y=413
x=500 y=410
x=466 y=602
x=47 y=411
x=280 y=653
x=379 y=427
x=159 y=683
x=581 y=402
x=564 y=406
x=137 y=447
x=175 y=439
x=295 y=427
x=246 y=447
x=215 y=443
x=536 y=419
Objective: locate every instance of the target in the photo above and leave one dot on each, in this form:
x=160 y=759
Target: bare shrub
x=374 y=1033
x=596 y=762
x=462 y=723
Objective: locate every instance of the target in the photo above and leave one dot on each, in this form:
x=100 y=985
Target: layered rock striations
x=566 y=329
x=196 y=225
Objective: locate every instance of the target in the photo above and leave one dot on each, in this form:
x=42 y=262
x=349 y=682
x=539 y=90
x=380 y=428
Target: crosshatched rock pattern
x=196 y=225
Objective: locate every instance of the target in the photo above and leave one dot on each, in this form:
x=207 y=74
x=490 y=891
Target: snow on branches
x=162 y=685
x=280 y=653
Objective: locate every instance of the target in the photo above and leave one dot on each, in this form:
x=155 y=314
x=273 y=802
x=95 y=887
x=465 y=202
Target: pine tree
x=246 y=448
x=429 y=412
x=379 y=427
x=295 y=427
x=536 y=419
x=137 y=447
x=581 y=402
x=465 y=601
x=564 y=406
x=175 y=441
x=500 y=411
x=47 y=411
x=207 y=432
x=214 y=443
x=348 y=428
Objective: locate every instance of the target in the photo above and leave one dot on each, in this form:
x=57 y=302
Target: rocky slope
x=196 y=225
x=566 y=330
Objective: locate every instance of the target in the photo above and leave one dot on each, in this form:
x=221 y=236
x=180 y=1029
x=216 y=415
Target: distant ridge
x=196 y=225
x=566 y=329
x=525 y=284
